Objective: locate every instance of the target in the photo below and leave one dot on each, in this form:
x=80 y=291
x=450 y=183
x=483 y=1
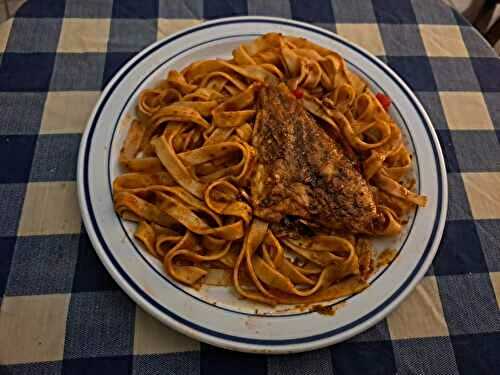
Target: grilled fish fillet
x=301 y=172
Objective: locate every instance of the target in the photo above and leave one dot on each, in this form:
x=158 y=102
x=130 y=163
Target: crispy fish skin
x=302 y=172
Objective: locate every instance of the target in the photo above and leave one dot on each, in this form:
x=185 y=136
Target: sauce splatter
x=385 y=257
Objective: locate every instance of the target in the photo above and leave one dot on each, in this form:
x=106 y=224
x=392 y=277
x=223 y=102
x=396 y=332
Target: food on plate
x=269 y=172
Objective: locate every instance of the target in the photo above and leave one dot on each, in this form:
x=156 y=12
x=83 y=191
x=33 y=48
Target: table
x=61 y=313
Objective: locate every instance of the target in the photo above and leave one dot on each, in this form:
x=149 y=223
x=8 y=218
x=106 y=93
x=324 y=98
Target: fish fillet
x=301 y=172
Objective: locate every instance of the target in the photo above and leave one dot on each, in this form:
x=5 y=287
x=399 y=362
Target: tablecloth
x=61 y=313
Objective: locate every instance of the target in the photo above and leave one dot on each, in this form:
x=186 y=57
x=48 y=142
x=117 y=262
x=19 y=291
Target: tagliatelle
x=189 y=163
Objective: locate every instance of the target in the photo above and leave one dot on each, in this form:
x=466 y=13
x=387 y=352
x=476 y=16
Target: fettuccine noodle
x=189 y=159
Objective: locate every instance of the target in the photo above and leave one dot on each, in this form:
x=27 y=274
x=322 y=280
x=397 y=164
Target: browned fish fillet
x=302 y=172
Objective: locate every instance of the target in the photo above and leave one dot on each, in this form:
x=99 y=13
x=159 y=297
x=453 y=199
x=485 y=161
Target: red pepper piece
x=384 y=100
x=298 y=93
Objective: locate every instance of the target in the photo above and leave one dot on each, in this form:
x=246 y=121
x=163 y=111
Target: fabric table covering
x=61 y=313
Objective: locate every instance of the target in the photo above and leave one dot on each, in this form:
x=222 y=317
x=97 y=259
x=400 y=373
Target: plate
x=216 y=315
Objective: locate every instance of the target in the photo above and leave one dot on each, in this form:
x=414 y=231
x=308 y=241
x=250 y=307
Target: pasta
x=190 y=162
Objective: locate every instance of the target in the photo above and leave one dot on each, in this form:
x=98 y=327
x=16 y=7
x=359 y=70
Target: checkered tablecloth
x=60 y=311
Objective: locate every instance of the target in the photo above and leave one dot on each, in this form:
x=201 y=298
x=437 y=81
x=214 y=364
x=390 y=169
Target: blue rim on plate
x=140 y=296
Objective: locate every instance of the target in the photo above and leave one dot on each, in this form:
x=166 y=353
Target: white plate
x=216 y=315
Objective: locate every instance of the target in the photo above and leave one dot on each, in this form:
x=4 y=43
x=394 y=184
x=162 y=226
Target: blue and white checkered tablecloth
x=60 y=311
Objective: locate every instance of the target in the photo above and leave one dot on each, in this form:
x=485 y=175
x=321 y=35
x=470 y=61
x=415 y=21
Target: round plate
x=215 y=314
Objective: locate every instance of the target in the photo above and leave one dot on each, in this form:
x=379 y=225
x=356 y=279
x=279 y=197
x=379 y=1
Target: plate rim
x=253 y=346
